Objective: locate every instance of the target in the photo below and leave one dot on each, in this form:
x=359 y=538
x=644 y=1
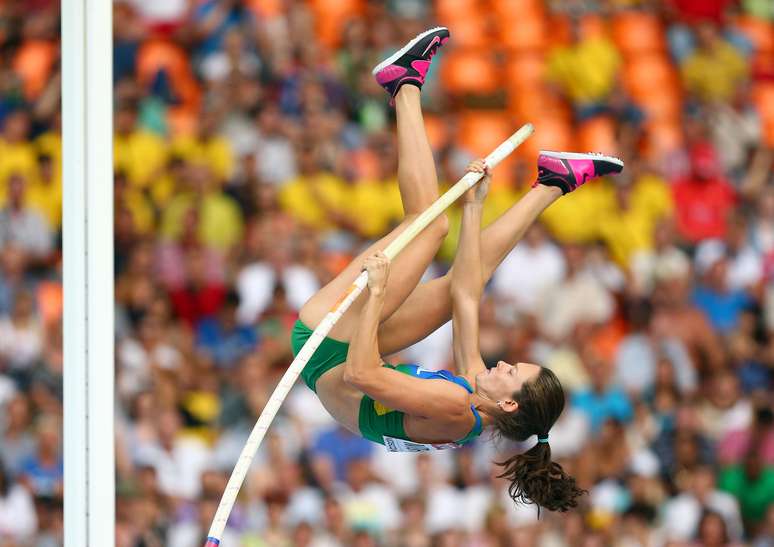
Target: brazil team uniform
x=377 y=423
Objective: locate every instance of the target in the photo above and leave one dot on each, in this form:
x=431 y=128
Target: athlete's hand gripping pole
x=325 y=326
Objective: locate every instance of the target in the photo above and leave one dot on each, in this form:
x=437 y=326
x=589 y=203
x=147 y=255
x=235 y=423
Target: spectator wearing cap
x=704 y=198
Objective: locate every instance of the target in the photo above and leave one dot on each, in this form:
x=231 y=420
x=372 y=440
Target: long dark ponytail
x=533 y=477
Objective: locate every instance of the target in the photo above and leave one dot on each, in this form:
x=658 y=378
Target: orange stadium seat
x=528 y=34
x=33 y=62
x=156 y=55
x=550 y=134
x=437 y=130
x=597 y=135
x=454 y=10
x=763 y=97
x=469 y=71
x=663 y=137
x=662 y=104
x=644 y=74
x=331 y=16
x=470 y=32
x=525 y=71
x=266 y=9
x=511 y=12
x=758 y=31
x=481 y=131
x=537 y=101
x=592 y=26
x=636 y=33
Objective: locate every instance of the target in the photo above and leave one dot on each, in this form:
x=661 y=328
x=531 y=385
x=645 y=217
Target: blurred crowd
x=255 y=155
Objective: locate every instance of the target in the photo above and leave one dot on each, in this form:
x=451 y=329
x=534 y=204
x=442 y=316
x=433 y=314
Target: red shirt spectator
x=694 y=11
x=704 y=198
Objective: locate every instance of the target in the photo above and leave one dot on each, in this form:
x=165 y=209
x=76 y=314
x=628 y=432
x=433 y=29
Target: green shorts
x=374 y=420
x=331 y=353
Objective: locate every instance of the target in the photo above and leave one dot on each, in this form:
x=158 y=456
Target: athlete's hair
x=533 y=476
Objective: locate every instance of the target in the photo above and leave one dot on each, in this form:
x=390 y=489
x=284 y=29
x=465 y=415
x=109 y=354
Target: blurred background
x=255 y=155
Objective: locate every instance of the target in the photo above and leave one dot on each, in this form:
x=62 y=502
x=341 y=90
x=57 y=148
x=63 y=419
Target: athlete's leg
x=419 y=189
x=429 y=306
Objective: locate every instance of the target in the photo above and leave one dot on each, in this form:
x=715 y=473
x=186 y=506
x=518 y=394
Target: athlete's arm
x=467 y=282
x=363 y=368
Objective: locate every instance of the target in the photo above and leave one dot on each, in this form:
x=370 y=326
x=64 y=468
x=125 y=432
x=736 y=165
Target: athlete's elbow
x=354 y=376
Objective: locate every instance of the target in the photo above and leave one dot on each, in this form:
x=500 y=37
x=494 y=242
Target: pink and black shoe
x=568 y=170
x=410 y=63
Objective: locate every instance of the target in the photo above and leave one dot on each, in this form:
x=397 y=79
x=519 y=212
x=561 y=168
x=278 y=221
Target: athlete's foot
x=568 y=170
x=410 y=63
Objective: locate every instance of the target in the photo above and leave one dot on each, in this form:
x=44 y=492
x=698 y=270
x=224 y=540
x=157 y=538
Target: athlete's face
x=499 y=383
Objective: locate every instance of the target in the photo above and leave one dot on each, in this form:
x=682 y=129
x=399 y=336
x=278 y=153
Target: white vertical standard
x=87 y=131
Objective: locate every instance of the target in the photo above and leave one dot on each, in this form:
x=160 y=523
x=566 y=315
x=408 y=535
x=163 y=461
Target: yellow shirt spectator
x=50 y=143
x=21 y=158
x=628 y=225
x=375 y=206
x=220 y=220
x=586 y=71
x=574 y=217
x=714 y=73
x=215 y=152
x=499 y=200
x=142 y=155
x=310 y=199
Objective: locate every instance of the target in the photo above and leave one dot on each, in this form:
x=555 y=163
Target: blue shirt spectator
x=601 y=406
x=341 y=447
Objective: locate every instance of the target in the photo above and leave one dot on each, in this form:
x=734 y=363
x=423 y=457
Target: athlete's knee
x=439 y=227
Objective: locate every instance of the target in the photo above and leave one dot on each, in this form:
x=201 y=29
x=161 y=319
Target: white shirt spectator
x=190 y=534
x=20 y=346
x=569 y=433
x=681 y=515
x=434 y=352
x=256 y=282
x=155 y=12
x=375 y=506
x=135 y=361
x=26 y=229
x=444 y=509
x=527 y=273
x=179 y=470
x=636 y=357
x=579 y=299
x=18 y=519
x=275 y=159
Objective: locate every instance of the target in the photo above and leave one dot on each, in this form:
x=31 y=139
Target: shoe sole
x=582 y=156
x=398 y=54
